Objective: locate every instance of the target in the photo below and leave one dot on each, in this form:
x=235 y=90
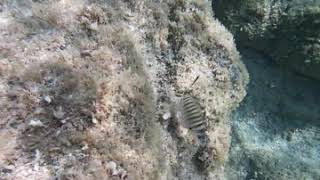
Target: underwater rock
x=287 y=31
x=276 y=130
x=104 y=78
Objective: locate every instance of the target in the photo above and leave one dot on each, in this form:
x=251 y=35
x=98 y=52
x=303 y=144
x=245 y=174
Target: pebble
x=166 y=116
x=47 y=99
x=111 y=167
x=36 y=123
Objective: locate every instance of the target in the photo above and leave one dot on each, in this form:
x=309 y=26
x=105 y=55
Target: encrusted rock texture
x=276 y=129
x=285 y=30
x=88 y=89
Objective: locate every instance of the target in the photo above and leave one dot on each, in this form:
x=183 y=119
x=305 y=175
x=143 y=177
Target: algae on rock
x=122 y=64
x=287 y=31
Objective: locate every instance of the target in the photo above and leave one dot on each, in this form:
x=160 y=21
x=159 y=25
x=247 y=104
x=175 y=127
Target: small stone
x=94 y=26
x=85 y=147
x=111 y=168
x=94 y=120
x=111 y=165
x=47 y=99
x=36 y=123
x=166 y=115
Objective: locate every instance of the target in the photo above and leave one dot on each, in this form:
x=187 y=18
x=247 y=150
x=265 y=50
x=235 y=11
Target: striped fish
x=192 y=114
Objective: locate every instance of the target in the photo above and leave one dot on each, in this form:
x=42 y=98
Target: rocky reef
x=276 y=129
x=89 y=89
x=285 y=30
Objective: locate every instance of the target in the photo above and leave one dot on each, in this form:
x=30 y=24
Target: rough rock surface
x=286 y=30
x=276 y=129
x=88 y=89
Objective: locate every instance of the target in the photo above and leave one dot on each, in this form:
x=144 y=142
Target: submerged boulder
x=287 y=31
x=90 y=89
